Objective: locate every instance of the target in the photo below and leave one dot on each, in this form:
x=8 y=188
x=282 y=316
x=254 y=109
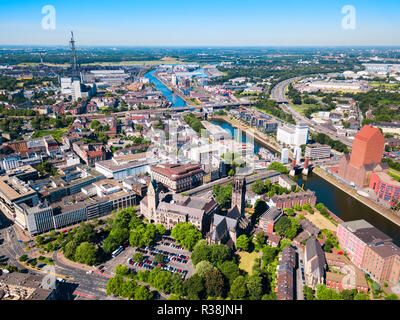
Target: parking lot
x=176 y=259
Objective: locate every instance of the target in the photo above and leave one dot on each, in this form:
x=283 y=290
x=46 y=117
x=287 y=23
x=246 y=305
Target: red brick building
x=365 y=158
x=382 y=262
x=290 y=200
x=385 y=187
x=178 y=177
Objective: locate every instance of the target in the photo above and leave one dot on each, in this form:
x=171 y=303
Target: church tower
x=152 y=199
x=239 y=194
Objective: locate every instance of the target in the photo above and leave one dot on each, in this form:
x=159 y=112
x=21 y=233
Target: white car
x=89 y=272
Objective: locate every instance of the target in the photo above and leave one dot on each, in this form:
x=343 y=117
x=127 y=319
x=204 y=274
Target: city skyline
x=178 y=23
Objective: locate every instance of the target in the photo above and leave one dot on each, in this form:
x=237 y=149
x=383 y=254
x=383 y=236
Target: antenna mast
x=74 y=65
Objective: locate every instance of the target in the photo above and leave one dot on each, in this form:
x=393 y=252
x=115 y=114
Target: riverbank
x=250 y=131
x=173 y=91
x=388 y=214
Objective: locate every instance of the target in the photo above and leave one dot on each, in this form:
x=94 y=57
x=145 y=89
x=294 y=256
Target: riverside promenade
x=387 y=213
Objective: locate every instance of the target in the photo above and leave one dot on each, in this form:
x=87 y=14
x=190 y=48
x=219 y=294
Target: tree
x=143 y=293
x=159 y=258
x=392 y=297
x=361 y=296
x=160 y=229
x=121 y=270
x=128 y=289
x=201 y=251
x=238 y=288
x=324 y=293
x=195 y=287
x=114 y=286
x=254 y=286
x=214 y=283
x=297 y=207
x=308 y=293
x=269 y=254
x=69 y=249
x=39 y=240
x=203 y=267
x=278 y=167
x=186 y=234
x=242 y=242
x=260 y=239
x=287 y=227
x=137 y=257
x=258 y=187
x=230 y=270
x=348 y=294
x=219 y=253
x=23 y=258
x=86 y=253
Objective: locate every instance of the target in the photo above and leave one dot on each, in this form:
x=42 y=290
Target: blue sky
x=201 y=23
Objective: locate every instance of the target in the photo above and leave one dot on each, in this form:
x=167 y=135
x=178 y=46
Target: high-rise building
x=365 y=158
x=285 y=156
x=293 y=136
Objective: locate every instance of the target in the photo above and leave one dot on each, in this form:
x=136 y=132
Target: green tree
x=143 y=293
x=214 y=283
x=203 y=267
x=324 y=293
x=186 y=234
x=238 y=288
x=254 y=287
x=258 y=187
x=201 y=251
x=361 y=296
x=86 y=253
x=137 y=257
x=159 y=258
x=242 y=242
x=260 y=239
x=230 y=270
x=195 y=287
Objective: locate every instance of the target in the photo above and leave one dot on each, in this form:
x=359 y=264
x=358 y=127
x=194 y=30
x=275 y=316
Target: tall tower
x=75 y=71
x=152 y=198
x=239 y=194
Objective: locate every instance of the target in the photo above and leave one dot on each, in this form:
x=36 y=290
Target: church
x=226 y=229
x=170 y=209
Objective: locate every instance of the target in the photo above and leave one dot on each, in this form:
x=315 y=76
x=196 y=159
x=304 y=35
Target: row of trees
x=335 y=144
x=128 y=289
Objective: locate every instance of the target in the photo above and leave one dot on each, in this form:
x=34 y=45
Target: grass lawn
x=247 y=261
x=56 y=133
x=320 y=221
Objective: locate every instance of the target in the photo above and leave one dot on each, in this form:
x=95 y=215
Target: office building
x=365 y=158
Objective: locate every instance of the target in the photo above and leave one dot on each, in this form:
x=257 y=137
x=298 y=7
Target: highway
x=278 y=94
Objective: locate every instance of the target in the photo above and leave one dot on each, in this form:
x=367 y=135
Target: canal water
x=340 y=203
x=174 y=99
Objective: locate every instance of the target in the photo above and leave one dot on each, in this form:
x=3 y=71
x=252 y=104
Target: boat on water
x=266 y=155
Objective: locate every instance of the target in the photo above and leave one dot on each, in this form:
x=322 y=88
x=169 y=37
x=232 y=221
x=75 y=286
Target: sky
x=201 y=23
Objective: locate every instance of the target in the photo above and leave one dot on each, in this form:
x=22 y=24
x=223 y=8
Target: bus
x=117 y=251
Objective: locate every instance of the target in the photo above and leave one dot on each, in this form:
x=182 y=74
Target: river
x=174 y=99
x=340 y=203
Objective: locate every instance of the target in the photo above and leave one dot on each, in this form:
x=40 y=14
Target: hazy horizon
x=178 y=23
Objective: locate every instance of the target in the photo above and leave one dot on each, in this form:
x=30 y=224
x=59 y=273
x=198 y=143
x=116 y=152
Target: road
x=299 y=276
x=205 y=188
x=278 y=94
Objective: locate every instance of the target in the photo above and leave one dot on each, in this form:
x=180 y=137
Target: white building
x=285 y=156
x=297 y=154
x=293 y=136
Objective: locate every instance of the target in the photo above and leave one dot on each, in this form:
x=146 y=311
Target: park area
x=321 y=222
x=247 y=261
